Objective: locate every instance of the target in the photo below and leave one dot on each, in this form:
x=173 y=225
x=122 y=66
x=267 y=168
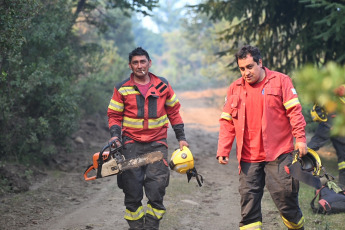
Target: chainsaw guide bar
x=142 y=160
x=110 y=165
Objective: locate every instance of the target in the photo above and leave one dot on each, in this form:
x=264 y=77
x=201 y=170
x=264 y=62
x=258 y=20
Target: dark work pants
x=154 y=178
x=282 y=187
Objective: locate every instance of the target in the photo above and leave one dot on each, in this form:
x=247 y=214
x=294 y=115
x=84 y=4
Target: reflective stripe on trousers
x=253 y=226
x=136 y=215
x=292 y=225
x=156 y=213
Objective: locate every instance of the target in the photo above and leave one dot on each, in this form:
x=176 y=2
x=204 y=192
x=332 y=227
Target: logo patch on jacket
x=293 y=91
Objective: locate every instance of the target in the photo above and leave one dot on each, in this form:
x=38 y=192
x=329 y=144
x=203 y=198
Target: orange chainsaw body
x=94 y=166
x=95 y=157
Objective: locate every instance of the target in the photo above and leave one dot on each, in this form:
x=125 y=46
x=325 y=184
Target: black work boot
x=342 y=178
x=151 y=223
x=136 y=224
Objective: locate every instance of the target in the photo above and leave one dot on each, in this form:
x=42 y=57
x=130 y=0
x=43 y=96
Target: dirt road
x=62 y=200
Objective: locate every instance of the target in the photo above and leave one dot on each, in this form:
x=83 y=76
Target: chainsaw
x=110 y=161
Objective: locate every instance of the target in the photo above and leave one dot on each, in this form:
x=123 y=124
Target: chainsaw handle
x=87 y=171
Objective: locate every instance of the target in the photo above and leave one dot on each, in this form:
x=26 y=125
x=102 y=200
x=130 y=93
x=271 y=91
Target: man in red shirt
x=139 y=113
x=263 y=112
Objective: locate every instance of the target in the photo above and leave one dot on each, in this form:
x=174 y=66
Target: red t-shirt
x=143 y=88
x=253 y=150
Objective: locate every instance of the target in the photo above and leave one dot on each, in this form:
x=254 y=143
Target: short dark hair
x=138 y=52
x=247 y=49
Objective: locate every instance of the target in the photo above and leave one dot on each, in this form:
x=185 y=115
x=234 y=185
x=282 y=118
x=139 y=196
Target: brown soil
x=62 y=200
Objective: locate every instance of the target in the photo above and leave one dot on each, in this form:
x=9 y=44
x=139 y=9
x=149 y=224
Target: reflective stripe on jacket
x=282 y=118
x=144 y=119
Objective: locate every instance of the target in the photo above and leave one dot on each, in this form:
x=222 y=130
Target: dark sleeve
x=179 y=132
x=115 y=131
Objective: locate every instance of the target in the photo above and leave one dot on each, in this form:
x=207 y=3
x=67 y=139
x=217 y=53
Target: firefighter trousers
x=282 y=187
x=151 y=178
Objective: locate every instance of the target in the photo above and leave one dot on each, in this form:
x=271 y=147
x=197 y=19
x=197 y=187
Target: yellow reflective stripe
x=342 y=99
x=155 y=212
x=125 y=90
x=252 y=226
x=341 y=165
x=226 y=116
x=179 y=166
x=172 y=101
x=117 y=106
x=134 y=215
x=133 y=123
x=154 y=123
x=291 y=103
x=174 y=154
x=292 y=225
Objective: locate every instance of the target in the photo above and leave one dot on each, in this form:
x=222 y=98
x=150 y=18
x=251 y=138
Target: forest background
x=59 y=60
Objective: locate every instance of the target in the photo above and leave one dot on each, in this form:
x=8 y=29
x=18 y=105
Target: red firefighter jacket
x=144 y=119
x=282 y=118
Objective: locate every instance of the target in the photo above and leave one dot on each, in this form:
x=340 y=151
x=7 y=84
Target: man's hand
x=183 y=143
x=117 y=141
x=302 y=148
x=223 y=160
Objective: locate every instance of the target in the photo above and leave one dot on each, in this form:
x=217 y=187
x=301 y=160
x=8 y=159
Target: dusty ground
x=63 y=200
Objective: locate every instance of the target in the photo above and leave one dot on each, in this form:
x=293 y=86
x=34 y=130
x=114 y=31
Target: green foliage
x=184 y=53
x=15 y=16
x=38 y=104
x=202 y=36
x=45 y=66
x=119 y=33
x=141 y=6
x=168 y=17
x=317 y=85
x=289 y=33
x=96 y=89
x=147 y=39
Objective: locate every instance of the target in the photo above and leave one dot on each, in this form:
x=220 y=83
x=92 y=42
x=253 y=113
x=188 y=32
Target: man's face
x=250 y=70
x=140 y=66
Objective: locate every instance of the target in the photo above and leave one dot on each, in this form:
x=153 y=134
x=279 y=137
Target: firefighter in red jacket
x=263 y=112
x=138 y=115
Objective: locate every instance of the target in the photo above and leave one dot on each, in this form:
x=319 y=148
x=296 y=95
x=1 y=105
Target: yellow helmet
x=312 y=162
x=318 y=114
x=308 y=169
x=182 y=160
